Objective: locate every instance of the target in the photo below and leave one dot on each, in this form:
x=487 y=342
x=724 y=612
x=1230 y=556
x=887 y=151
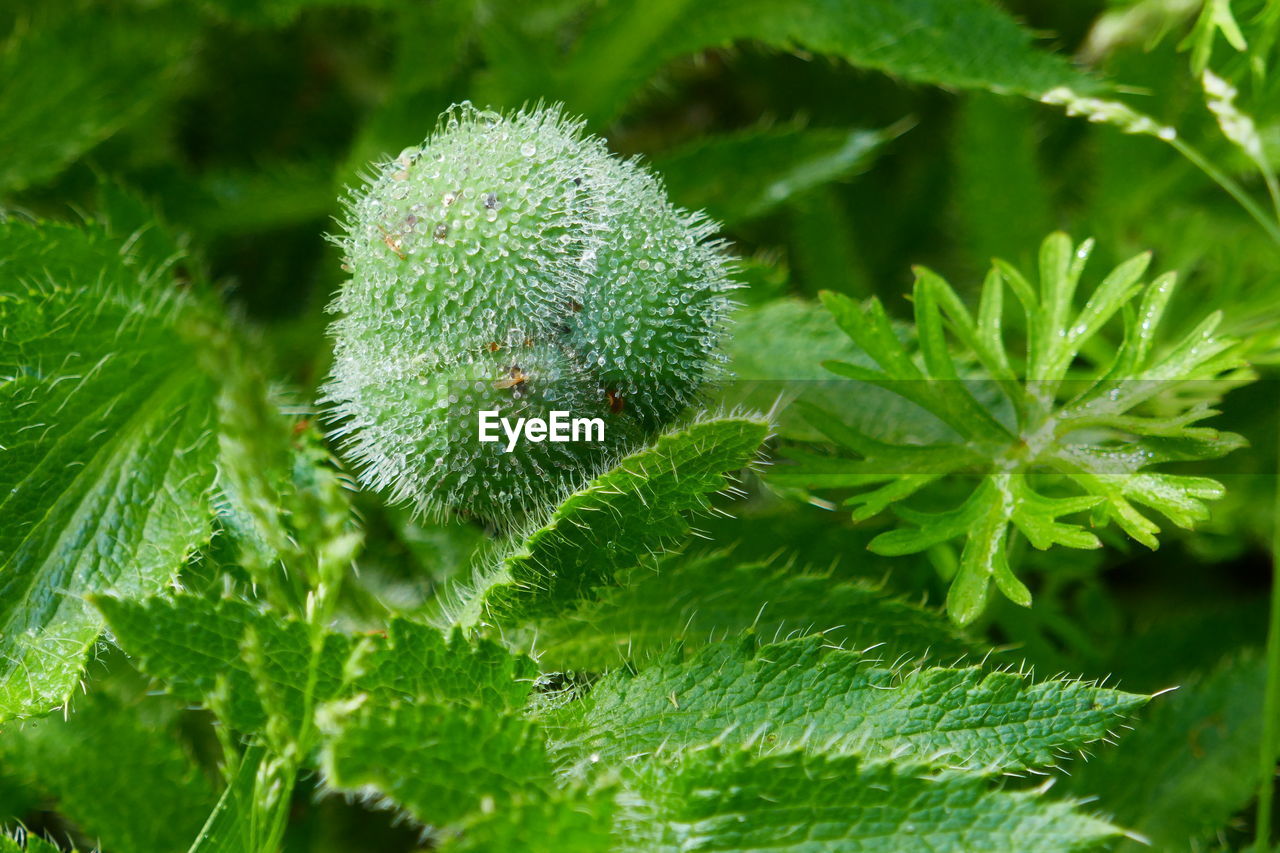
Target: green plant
x=1068 y=410
x=216 y=637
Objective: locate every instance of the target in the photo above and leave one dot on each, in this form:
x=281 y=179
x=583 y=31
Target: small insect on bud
x=543 y=242
x=515 y=376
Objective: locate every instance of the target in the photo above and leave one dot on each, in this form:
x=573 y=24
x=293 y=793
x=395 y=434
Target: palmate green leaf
x=1067 y=425
x=953 y=43
x=618 y=520
x=744 y=175
x=106 y=454
x=730 y=799
x=1191 y=765
x=1215 y=17
x=805 y=693
x=79 y=763
x=784 y=339
x=51 y=110
x=705 y=598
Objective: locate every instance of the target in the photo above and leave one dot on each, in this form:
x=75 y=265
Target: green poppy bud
x=512 y=264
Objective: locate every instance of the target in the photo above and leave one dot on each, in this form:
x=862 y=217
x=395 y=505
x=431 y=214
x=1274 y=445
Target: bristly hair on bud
x=510 y=262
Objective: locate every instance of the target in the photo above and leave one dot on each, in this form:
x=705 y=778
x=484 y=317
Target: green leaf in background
x=82 y=761
x=771 y=352
x=818 y=261
x=726 y=799
x=53 y=110
x=106 y=457
x=1188 y=767
x=968 y=44
x=1003 y=202
x=806 y=693
x=248 y=201
x=620 y=519
x=705 y=598
x=747 y=174
x=282 y=495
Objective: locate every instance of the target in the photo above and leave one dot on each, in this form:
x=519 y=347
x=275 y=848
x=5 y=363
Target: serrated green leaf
x=618 y=520
x=106 y=457
x=415 y=660
x=53 y=110
x=577 y=819
x=807 y=694
x=739 y=800
x=233 y=655
x=956 y=43
x=706 y=598
x=81 y=760
x=440 y=761
x=197 y=648
x=153 y=246
x=283 y=497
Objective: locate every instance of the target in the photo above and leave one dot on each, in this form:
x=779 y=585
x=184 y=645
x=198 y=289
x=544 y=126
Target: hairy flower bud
x=512 y=264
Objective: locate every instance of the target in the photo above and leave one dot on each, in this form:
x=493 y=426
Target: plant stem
x=1271 y=699
x=1225 y=181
